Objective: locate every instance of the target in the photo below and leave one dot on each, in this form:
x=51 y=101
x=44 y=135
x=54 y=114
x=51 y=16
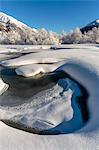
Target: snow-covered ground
x=81 y=62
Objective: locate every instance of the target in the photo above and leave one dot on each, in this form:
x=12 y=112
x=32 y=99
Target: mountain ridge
x=90 y=26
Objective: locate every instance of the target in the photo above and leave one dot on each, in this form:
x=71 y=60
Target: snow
x=22 y=48
x=3 y=87
x=34 y=69
x=97 y=20
x=82 y=64
x=30 y=141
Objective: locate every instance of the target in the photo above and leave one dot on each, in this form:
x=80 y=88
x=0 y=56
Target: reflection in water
x=22 y=89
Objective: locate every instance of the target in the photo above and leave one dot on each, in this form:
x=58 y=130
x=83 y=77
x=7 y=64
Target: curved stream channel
x=22 y=89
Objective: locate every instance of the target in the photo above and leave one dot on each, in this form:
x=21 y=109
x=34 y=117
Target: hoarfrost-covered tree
x=14 y=37
x=77 y=37
x=91 y=36
x=44 y=37
x=97 y=36
x=72 y=37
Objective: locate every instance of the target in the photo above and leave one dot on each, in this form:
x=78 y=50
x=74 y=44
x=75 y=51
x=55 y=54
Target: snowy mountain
x=13 y=31
x=90 y=26
x=9 y=22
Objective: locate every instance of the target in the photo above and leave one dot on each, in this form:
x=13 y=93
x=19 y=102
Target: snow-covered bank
x=22 y=48
x=83 y=66
x=26 y=141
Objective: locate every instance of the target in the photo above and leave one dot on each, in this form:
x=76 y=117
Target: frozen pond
x=21 y=90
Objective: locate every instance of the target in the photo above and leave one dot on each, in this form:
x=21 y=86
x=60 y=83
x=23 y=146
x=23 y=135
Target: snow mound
x=34 y=69
x=87 y=74
x=3 y=87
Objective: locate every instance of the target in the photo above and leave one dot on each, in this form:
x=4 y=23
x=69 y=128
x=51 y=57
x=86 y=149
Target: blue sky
x=52 y=15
